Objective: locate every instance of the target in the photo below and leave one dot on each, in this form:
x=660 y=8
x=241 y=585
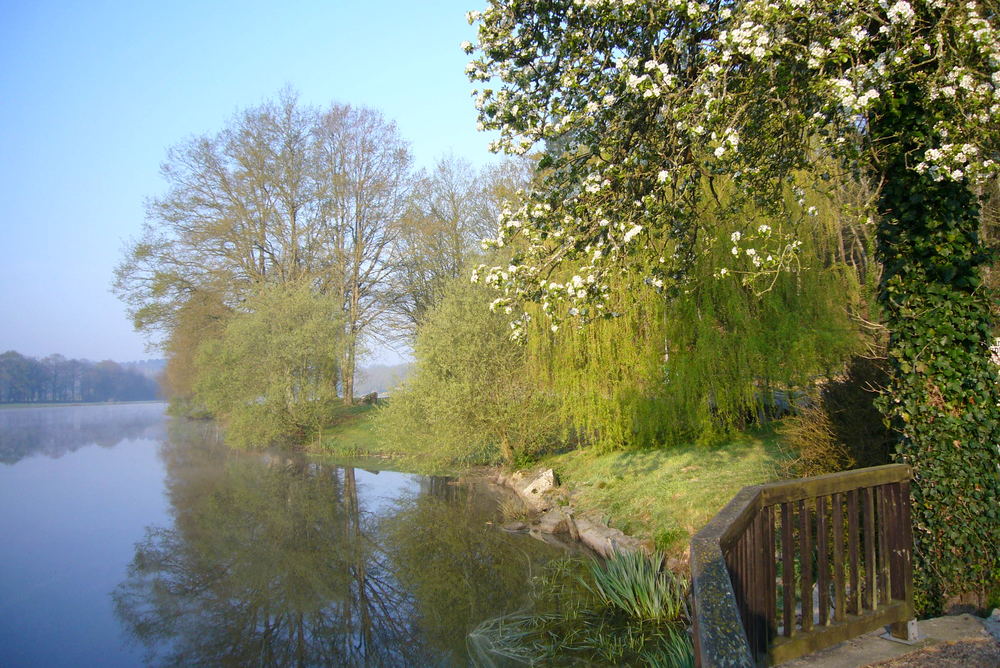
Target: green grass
x=667 y=495
x=352 y=434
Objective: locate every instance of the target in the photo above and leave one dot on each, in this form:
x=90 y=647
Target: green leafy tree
x=470 y=398
x=272 y=373
x=202 y=316
x=641 y=106
x=714 y=357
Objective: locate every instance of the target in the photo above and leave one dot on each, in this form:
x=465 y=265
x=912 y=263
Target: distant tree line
x=55 y=379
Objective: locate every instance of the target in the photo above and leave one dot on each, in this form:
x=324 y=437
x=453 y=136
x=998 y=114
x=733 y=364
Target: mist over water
x=54 y=432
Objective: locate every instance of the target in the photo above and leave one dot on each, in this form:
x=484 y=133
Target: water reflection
x=281 y=561
x=54 y=432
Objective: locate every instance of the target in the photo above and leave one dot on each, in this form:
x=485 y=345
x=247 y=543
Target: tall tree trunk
x=942 y=395
x=347 y=370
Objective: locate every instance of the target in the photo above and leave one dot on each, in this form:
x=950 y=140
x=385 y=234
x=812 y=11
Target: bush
x=841 y=428
x=469 y=399
x=272 y=373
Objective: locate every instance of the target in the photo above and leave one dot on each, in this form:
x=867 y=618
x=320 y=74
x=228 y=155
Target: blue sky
x=92 y=95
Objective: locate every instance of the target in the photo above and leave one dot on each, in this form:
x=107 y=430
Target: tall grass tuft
x=640 y=586
x=625 y=611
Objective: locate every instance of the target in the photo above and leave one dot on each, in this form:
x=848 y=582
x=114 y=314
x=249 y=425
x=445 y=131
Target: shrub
x=469 y=399
x=841 y=428
x=271 y=374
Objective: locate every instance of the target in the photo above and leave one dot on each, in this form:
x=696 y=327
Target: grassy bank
x=354 y=439
x=351 y=435
x=667 y=495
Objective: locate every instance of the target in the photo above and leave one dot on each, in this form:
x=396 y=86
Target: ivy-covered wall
x=943 y=395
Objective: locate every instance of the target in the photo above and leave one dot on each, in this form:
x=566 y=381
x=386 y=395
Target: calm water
x=128 y=538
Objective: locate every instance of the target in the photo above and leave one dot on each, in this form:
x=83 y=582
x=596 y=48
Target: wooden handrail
x=850 y=531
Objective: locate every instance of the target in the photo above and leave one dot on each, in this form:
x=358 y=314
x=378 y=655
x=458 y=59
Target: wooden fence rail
x=792 y=567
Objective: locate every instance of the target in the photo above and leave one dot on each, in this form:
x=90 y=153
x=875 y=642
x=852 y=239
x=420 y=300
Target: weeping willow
x=695 y=365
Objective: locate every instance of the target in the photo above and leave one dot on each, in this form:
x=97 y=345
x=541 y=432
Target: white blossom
x=901 y=12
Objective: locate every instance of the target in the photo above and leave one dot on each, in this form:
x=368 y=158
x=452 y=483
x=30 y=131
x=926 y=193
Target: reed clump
x=626 y=610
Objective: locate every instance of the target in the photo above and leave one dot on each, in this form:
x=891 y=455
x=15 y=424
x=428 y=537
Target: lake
x=129 y=538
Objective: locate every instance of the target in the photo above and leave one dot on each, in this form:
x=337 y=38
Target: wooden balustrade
x=792 y=567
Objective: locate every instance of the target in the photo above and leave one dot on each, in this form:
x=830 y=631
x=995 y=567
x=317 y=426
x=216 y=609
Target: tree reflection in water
x=56 y=431
x=276 y=560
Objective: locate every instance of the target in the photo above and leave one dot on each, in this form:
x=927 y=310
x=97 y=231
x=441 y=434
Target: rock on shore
x=539 y=491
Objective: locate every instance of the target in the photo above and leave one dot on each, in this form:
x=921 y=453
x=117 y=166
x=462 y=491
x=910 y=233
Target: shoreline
x=657 y=498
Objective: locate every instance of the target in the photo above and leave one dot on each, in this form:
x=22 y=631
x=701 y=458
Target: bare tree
x=283 y=194
x=242 y=207
x=452 y=207
x=364 y=166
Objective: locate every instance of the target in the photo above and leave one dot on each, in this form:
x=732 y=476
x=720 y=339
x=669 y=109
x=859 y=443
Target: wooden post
x=854 y=600
x=884 y=530
x=771 y=580
x=839 y=590
x=805 y=564
x=787 y=570
x=870 y=565
x=823 y=562
x=900 y=564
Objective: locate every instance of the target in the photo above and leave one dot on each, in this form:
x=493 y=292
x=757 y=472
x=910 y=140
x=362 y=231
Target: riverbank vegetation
x=694 y=246
x=641 y=111
x=665 y=495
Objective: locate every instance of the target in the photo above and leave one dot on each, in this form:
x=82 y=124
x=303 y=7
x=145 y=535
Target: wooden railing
x=792 y=567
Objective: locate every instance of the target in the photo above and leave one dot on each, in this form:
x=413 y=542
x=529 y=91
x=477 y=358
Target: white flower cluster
x=759 y=255
x=901 y=12
x=731 y=141
x=749 y=39
x=845 y=95
x=950 y=161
